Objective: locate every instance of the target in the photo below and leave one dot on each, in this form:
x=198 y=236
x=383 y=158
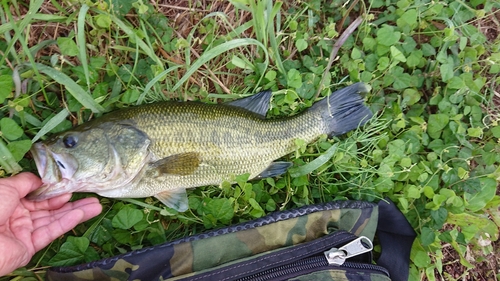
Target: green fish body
x=160 y=149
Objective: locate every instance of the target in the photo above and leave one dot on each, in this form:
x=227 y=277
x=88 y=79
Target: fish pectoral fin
x=175 y=199
x=182 y=164
x=275 y=169
x=258 y=103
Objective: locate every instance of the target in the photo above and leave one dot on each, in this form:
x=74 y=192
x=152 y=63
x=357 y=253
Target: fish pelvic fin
x=175 y=199
x=258 y=103
x=344 y=110
x=275 y=169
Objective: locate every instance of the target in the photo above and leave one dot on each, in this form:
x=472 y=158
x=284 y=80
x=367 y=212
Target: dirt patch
x=489 y=25
x=42 y=31
x=485 y=268
x=484 y=263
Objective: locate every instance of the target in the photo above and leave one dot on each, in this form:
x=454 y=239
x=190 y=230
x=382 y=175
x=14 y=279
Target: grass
x=432 y=148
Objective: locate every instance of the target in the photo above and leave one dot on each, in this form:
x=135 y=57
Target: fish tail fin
x=343 y=110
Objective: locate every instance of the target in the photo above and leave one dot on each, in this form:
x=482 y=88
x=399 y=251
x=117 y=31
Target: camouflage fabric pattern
x=340 y=275
x=189 y=255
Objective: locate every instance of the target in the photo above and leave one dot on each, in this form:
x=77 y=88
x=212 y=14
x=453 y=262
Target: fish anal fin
x=258 y=103
x=175 y=199
x=182 y=164
x=275 y=169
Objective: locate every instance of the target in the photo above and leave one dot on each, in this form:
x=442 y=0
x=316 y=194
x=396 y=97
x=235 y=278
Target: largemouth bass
x=161 y=149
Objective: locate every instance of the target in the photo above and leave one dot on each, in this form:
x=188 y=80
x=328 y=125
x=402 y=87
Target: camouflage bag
x=331 y=241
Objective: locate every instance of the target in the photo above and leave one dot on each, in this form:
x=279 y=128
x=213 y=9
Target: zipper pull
x=356 y=247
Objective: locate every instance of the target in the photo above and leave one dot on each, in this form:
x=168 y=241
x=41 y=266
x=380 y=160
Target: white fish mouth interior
x=48 y=169
x=40 y=156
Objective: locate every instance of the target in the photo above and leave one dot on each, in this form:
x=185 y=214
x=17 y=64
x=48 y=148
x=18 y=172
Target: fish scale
x=231 y=137
x=234 y=143
x=161 y=149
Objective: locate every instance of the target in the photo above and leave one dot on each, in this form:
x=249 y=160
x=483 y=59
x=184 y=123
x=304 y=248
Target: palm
x=27 y=226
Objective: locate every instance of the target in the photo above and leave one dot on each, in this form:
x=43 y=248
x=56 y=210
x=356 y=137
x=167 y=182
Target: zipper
x=335 y=257
x=354 y=248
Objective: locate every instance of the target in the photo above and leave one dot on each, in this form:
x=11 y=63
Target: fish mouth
x=39 y=154
x=44 y=192
x=54 y=181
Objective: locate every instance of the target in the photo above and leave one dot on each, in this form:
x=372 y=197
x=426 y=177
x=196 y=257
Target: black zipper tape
x=310 y=265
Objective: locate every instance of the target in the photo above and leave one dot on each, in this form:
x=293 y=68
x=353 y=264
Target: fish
x=163 y=148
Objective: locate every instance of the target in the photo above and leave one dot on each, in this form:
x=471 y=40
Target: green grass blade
x=153 y=81
x=82 y=56
x=240 y=29
x=240 y=5
x=6 y=32
x=142 y=45
x=226 y=96
x=258 y=14
x=96 y=223
x=275 y=54
x=34 y=6
x=51 y=124
x=31 y=119
x=34 y=49
x=163 y=211
x=6 y=27
x=50 y=18
x=73 y=88
x=142 y=204
x=7 y=161
x=216 y=51
x=315 y=164
x=264 y=16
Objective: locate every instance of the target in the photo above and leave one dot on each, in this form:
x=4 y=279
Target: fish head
x=89 y=159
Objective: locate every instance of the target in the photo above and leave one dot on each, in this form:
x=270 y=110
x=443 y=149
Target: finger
x=49 y=204
x=90 y=206
x=14 y=188
x=91 y=209
x=24 y=183
x=44 y=235
x=64 y=222
x=22 y=227
x=10 y=200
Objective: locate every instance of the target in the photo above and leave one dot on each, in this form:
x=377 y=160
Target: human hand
x=28 y=226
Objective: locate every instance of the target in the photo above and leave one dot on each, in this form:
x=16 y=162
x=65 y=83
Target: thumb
x=14 y=188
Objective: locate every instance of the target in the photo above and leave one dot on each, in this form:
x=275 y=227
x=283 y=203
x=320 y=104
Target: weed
x=432 y=147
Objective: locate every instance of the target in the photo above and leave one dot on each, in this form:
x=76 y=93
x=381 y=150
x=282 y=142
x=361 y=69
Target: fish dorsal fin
x=275 y=169
x=175 y=199
x=182 y=164
x=258 y=103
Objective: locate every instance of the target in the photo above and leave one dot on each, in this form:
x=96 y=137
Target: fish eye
x=70 y=141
